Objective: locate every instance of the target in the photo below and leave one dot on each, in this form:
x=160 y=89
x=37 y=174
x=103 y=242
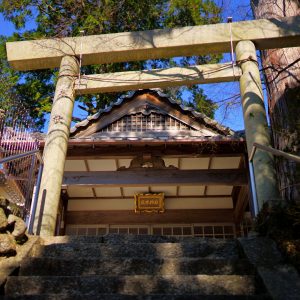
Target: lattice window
x=142 y=123
x=105 y=229
x=220 y=231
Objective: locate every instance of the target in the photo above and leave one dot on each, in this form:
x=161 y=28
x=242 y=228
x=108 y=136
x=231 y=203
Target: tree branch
x=282 y=70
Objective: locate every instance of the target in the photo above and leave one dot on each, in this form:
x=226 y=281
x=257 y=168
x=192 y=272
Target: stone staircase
x=135 y=267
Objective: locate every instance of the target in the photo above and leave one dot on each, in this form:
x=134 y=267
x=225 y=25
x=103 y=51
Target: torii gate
x=66 y=53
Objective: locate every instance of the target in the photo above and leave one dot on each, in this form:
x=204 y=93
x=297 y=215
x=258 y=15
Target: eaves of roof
x=210 y=122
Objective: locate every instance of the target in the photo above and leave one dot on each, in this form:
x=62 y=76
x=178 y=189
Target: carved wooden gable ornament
x=148 y=114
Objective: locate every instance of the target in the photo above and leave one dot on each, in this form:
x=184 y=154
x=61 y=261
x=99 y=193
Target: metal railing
x=35 y=156
x=20 y=159
x=275 y=152
x=21 y=155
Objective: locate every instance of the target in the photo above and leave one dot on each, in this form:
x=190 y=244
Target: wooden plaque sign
x=149 y=203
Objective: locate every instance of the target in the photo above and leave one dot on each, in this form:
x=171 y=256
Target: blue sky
x=229 y=116
x=6 y=28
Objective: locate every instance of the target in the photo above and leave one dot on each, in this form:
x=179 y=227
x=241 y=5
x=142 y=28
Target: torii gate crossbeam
x=64 y=53
x=161 y=43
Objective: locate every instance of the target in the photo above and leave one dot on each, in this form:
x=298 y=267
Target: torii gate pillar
x=256 y=125
x=56 y=146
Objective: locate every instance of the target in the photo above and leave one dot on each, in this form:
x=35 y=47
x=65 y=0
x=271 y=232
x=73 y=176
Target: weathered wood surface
x=201 y=123
x=162 y=43
x=166 y=197
x=282 y=76
x=175 y=216
x=160 y=78
x=176 y=151
x=241 y=204
x=142 y=177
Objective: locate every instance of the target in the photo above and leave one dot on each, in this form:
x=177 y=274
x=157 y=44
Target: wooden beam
x=88 y=169
x=166 y=197
x=208 y=167
x=171 y=216
x=241 y=204
x=173 y=177
x=118 y=166
x=160 y=78
x=216 y=149
x=162 y=43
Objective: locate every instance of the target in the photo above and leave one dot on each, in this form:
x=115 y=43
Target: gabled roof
x=145 y=102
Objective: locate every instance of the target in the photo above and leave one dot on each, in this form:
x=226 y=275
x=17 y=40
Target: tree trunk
x=282 y=78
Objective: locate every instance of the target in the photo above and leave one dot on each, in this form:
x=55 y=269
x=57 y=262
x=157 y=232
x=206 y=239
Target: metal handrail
x=35 y=199
x=22 y=155
x=275 y=152
x=38 y=181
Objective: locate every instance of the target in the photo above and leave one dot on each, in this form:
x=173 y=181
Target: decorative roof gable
x=148 y=114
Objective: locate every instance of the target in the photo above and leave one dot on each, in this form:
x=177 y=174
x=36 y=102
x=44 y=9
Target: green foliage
x=282 y=223
x=59 y=18
x=31 y=90
x=281 y=220
x=198 y=100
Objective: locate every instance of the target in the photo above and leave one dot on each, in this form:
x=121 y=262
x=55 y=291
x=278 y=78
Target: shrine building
x=149 y=165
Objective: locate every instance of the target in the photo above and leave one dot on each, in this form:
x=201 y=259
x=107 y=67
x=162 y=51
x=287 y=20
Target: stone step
x=130 y=238
x=131 y=285
x=220 y=249
x=133 y=266
x=137 y=297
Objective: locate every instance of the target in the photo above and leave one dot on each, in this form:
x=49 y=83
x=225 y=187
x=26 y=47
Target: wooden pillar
x=56 y=146
x=255 y=120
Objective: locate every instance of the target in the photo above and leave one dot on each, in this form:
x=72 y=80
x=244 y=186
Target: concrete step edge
x=139 y=266
x=127 y=238
x=137 y=297
x=134 y=284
